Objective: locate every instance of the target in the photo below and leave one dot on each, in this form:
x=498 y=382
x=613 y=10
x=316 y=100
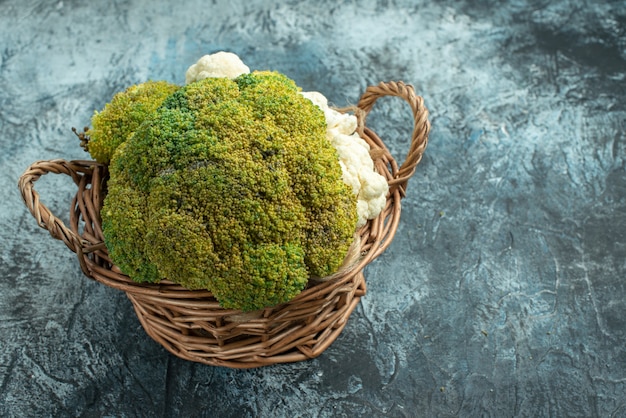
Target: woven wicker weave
x=191 y=324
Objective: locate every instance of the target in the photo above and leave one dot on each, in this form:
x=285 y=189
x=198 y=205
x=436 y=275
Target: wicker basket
x=191 y=324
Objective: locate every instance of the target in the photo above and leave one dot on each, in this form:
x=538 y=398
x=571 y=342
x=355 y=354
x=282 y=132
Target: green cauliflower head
x=122 y=116
x=230 y=186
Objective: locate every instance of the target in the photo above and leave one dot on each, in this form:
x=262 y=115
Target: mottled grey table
x=503 y=293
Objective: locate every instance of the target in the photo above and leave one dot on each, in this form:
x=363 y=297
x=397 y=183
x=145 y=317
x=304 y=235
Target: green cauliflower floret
x=231 y=186
x=122 y=116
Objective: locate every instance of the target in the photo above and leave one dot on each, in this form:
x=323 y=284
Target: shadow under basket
x=190 y=323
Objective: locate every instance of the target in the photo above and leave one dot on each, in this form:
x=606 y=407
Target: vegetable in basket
x=237 y=183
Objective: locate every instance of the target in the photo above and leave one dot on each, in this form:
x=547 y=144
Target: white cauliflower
x=356 y=163
x=357 y=166
x=220 y=64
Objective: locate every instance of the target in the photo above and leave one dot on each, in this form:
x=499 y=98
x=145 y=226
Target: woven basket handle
x=42 y=214
x=419 y=138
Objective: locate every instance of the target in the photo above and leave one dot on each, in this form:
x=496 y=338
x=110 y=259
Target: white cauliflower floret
x=376 y=205
x=362 y=210
x=374 y=189
x=336 y=122
x=350 y=176
x=356 y=163
x=220 y=64
x=317 y=98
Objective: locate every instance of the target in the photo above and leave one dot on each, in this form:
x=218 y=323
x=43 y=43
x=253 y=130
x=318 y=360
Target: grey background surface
x=503 y=293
